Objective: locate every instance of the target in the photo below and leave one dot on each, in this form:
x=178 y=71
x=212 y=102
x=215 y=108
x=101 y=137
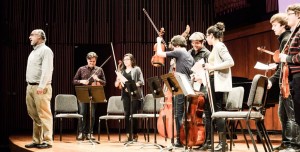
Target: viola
x=156 y=60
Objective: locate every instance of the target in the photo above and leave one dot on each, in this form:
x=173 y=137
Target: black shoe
x=90 y=137
x=31 y=145
x=205 y=147
x=44 y=145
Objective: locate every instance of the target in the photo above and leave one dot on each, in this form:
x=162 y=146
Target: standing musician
x=89 y=74
x=131 y=71
x=219 y=64
x=198 y=52
x=184 y=62
x=292 y=58
x=286 y=107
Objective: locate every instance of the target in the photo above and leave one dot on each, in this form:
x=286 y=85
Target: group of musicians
x=218 y=63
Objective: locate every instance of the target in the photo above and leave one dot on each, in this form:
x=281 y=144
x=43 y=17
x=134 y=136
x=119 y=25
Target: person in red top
x=291 y=56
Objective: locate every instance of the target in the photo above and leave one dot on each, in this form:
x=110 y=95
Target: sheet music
x=199 y=70
x=121 y=77
x=185 y=84
x=261 y=66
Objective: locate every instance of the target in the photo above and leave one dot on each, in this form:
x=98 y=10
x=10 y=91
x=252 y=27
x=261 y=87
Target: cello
x=164 y=122
x=192 y=132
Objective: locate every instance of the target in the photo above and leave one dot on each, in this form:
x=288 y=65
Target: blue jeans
x=179 y=111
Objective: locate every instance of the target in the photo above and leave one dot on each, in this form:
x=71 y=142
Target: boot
x=178 y=143
x=222 y=142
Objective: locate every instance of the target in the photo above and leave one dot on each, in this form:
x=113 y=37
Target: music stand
x=134 y=95
x=90 y=94
x=179 y=84
x=155 y=88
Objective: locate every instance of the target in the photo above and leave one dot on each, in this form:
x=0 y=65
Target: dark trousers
x=296 y=97
x=178 y=106
x=287 y=118
x=295 y=92
x=127 y=106
x=217 y=101
x=84 y=109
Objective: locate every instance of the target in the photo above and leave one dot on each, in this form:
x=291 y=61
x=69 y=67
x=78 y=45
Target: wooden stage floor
x=69 y=144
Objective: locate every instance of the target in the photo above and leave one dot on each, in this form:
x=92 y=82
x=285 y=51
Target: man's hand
x=158 y=39
x=282 y=57
x=40 y=91
x=95 y=77
x=269 y=84
x=208 y=66
x=86 y=82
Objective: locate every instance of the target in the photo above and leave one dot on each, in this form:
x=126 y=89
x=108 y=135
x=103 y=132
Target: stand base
x=172 y=147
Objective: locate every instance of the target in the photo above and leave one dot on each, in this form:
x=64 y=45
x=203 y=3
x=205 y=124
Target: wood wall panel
x=248 y=39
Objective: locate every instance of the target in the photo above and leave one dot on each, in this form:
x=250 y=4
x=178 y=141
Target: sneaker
x=90 y=137
x=205 y=147
x=80 y=136
x=280 y=147
x=219 y=147
x=135 y=137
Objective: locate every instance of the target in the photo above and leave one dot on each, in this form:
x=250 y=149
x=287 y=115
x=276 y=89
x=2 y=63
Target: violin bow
x=99 y=68
x=152 y=23
x=113 y=52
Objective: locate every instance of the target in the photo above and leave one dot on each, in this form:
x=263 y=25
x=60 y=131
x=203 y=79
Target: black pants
x=127 y=106
x=217 y=100
x=84 y=109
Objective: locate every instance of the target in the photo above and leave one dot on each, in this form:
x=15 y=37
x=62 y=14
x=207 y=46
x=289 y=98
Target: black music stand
x=90 y=94
x=156 y=89
x=134 y=95
x=179 y=84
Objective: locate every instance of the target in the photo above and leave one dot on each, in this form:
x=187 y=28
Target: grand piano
x=273 y=93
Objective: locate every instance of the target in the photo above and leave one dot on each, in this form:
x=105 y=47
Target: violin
x=284 y=75
x=157 y=61
x=274 y=54
x=97 y=83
